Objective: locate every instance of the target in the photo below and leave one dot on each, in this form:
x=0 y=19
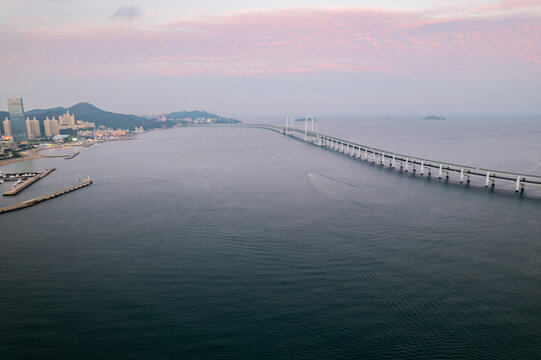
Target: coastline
x=34 y=156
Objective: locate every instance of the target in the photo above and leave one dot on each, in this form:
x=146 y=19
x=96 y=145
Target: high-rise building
x=52 y=127
x=32 y=128
x=67 y=120
x=16 y=116
x=7 y=127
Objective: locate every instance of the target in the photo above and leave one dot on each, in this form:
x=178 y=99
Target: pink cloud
x=287 y=41
x=509 y=6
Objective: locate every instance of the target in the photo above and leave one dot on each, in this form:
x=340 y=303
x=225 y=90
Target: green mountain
x=88 y=112
x=181 y=115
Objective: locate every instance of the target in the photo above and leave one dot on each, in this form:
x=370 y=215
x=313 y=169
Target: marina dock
x=36 y=201
x=17 y=188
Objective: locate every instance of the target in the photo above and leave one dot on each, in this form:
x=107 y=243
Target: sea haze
x=243 y=243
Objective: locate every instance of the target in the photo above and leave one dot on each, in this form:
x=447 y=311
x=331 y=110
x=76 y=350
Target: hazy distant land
x=88 y=112
x=434 y=117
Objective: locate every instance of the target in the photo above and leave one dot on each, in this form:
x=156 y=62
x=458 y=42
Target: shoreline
x=34 y=156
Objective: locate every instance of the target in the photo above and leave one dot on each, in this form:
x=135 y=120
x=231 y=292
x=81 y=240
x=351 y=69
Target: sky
x=272 y=58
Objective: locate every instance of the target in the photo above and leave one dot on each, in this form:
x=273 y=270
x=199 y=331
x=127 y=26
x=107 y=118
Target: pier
x=396 y=161
x=36 y=201
x=72 y=155
x=17 y=188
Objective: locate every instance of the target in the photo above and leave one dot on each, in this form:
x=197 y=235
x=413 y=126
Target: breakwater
x=36 y=201
x=17 y=188
x=72 y=155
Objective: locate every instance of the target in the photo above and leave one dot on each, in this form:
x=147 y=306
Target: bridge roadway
x=405 y=162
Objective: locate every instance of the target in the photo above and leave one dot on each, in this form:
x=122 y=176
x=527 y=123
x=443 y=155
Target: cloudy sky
x=242 y=58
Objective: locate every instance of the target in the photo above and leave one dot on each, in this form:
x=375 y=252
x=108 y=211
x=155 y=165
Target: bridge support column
x=383 y=159
x=439 y=176
x=359 y=153
x=487 y=179
x=406 y=170
x=461 y=176
x=306 y=128
x=394 y=162
x=413 y=165
x=422 y=168
x=366 y=154
x=289 y=123
x=374 y=157
x=517 y=188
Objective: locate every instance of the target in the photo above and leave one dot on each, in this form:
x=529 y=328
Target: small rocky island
x=434 y=117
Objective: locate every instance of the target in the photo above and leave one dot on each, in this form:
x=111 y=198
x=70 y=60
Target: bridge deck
x=405 y=161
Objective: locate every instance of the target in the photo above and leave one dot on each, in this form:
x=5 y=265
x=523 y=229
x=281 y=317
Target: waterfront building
x=52 y=127
x=32 y=128
x=67 y=121
x=16 y=116
x=7 y=127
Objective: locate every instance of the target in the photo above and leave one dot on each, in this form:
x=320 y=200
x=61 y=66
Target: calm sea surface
x=241 y=243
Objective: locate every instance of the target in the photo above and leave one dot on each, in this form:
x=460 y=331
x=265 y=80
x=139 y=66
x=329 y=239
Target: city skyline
x=263 y=58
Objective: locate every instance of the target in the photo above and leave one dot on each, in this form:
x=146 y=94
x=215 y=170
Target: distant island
x=434 y=117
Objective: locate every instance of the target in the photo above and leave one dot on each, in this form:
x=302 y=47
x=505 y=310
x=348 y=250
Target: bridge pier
x=306 y=128
x=359 y=155
x=441 y=167
x=289 y=119
x=461 y=175
x=383 y=159
x=422 y=168
x=517 y=188
x=366 y=154
x=487 y=179
x=406 y=170
x=394 y=162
